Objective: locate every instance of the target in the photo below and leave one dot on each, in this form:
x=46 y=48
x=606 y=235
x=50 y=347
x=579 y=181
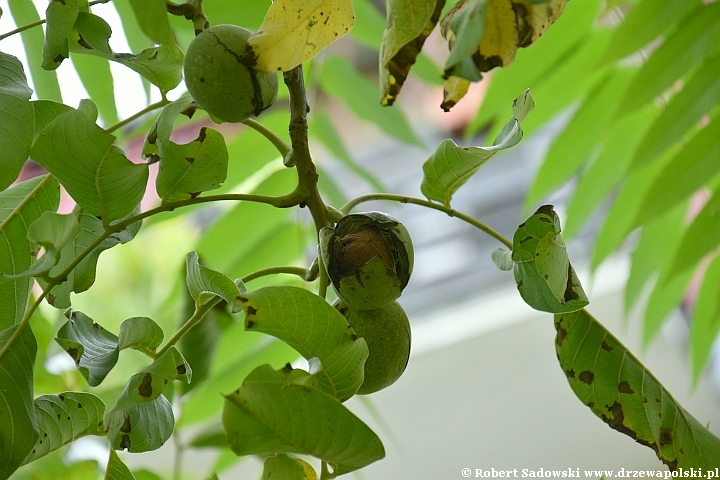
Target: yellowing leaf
x=509 y=25
x=296 y=30
x=455 y=89
x=408 y=25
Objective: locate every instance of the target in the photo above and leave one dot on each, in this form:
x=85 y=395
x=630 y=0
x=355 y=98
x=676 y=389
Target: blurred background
x=483 y=388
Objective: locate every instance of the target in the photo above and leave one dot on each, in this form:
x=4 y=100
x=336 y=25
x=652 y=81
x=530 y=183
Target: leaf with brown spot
x=150 y=382
x=64 y=418
x=151 y=424
x=619 y=390
x=545 y=277
x=94 y=349
x=408 y=26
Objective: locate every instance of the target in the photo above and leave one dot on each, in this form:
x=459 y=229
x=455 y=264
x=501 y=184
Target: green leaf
x=153 y=20
x=45 y=82
x=696 y=38
x=340 y=79
x=20 y=206
x=691 y=168
x=608 y=170
x=16 y=119
x=44 y=112
x=12 y=78
x=205 y=284
x=98 y=81
x=189 y=169
x=451 y=166
x=287 y=467
x=278 y=412
x=17 y=416
x=322 y=129
x=647 y=21
x=699 y=96
x=544 y=275
x=82 y=276
x=94 y=349
x=140 y=333
x=64 y=418
x=60 y=17
x=624 y=394
x=160 y=65
x=700 y=238
x=408 y=26
x=315 y=329
x=619 y=220
x=503 y=259
x=95 y=172
x=116 y=469
x=580 y=138
x=141 y=428
x=658 y=240
x=705 y=323
x=369 y=24
x=150 y=382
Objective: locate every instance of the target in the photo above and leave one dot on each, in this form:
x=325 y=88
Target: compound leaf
x=315 y=329
x=606 y=377
x=543 y=273
x=152 y=17
x=282 y=412
x=17 y=416
x=698 y=97
x=64 y=418
x=94 y=349
x=451 y=166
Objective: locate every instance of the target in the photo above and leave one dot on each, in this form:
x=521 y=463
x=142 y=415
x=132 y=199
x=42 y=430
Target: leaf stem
x=22 y=29
x=278 y=142
x=303 y=273
x=196 y=318
x=153 y=106
x=283 y=201
x=426 y=203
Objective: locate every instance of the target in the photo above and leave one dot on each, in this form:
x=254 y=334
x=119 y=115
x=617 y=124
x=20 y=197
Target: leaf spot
x=126 y=427
x=145 y=388
x=605 y=346
x=666 y=437
x=250 y=310
x=624 y=387
x=125 y=442
x=587 y=377
x=249 y=324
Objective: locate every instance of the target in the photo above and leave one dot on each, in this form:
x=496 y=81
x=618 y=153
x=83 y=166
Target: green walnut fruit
x=368 y=257
x=219 y=75
x=387 y=333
